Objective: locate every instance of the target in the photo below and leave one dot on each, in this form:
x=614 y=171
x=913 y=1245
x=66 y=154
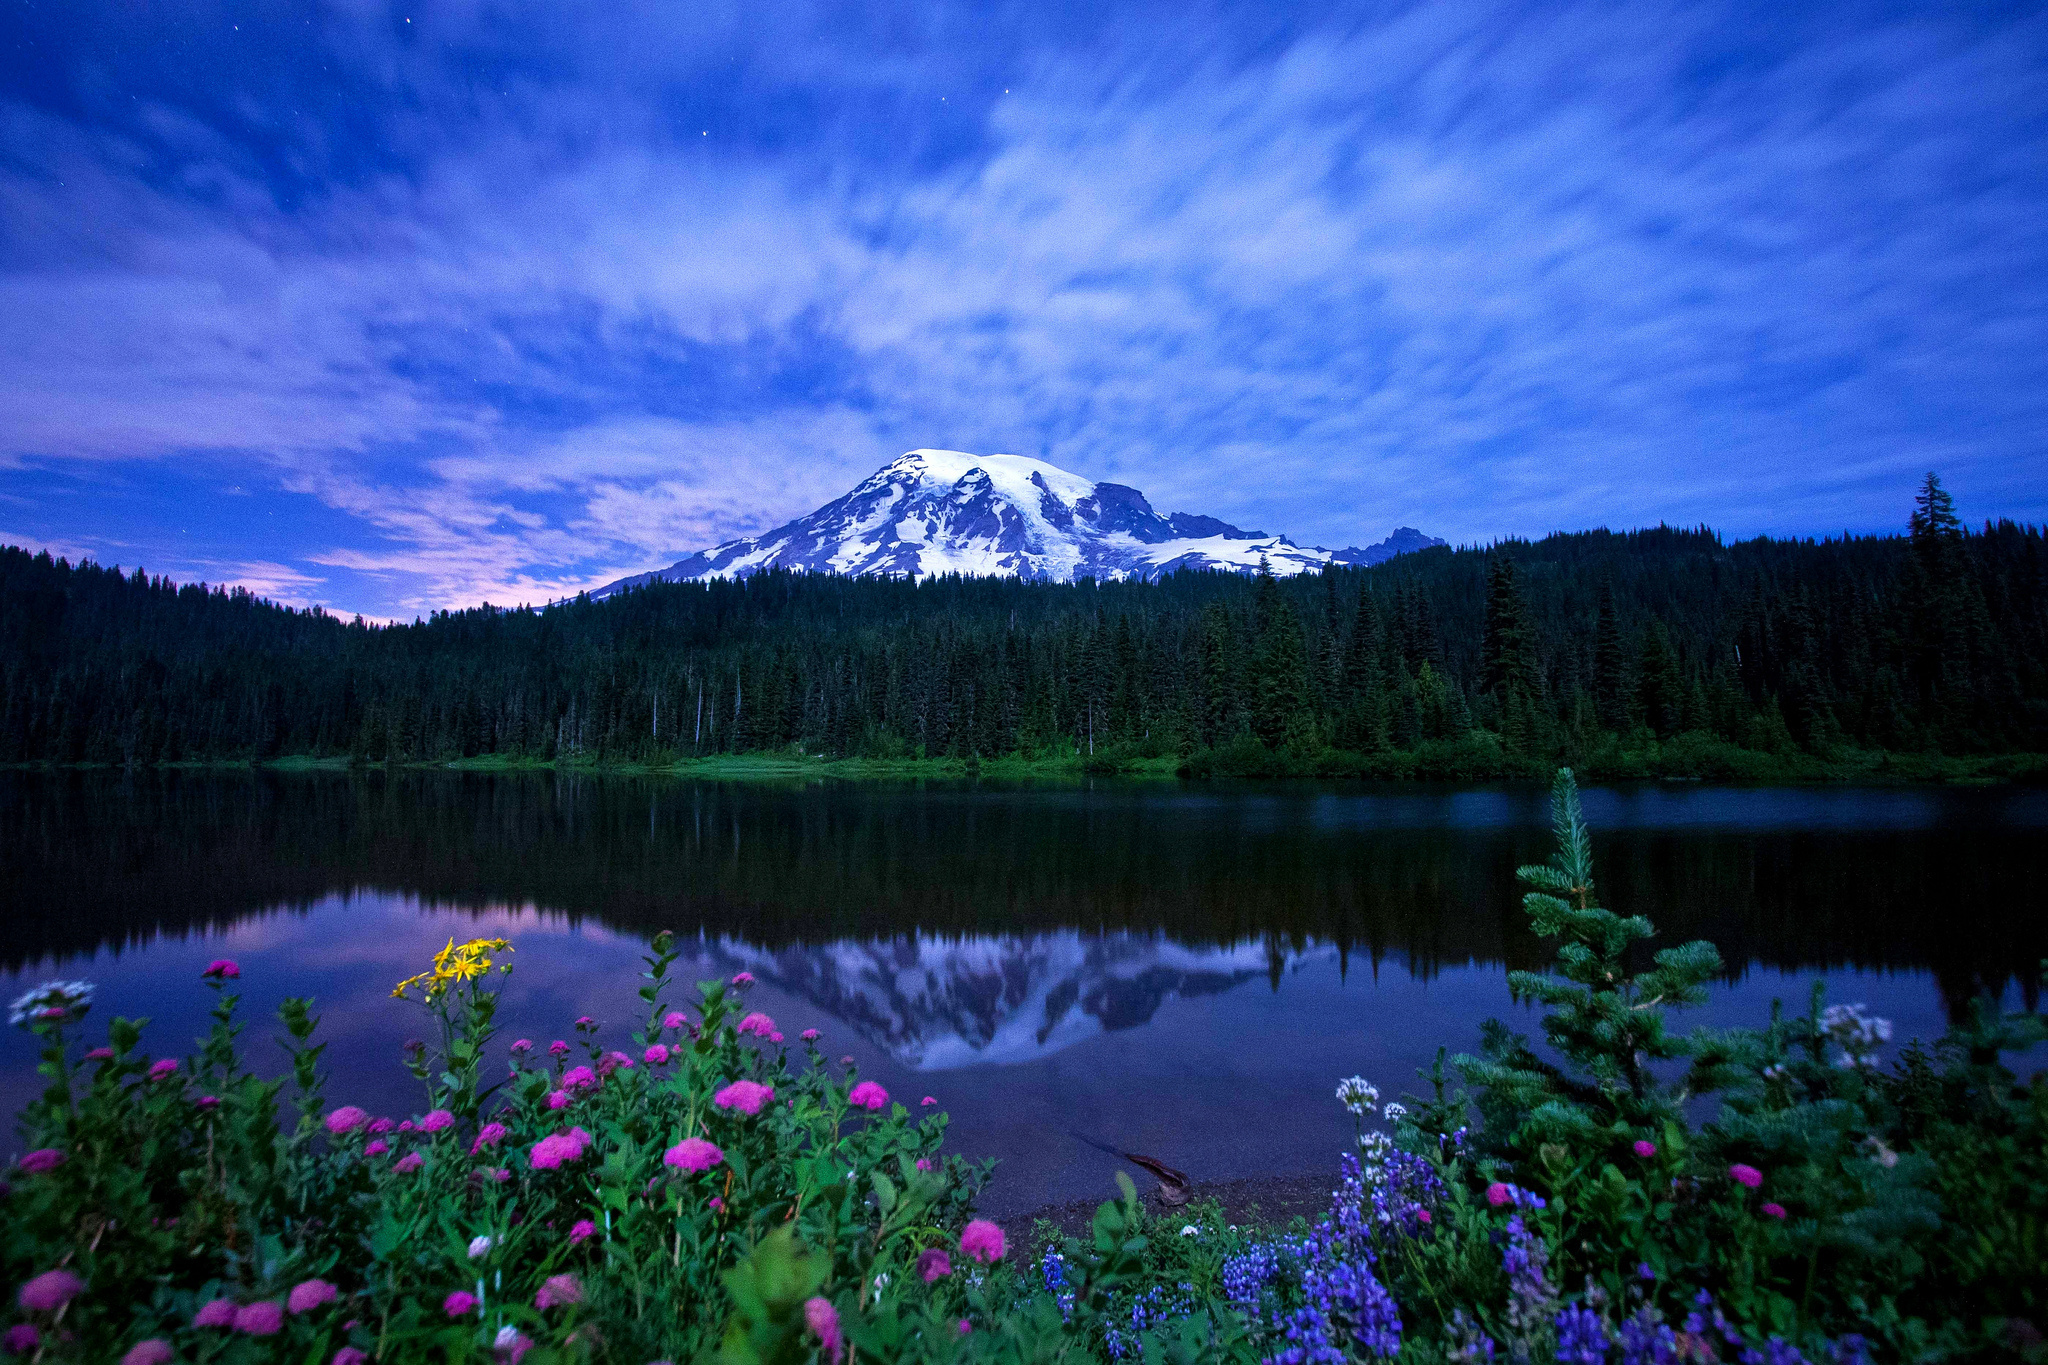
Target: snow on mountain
x=940 y=1003
x=942 y=511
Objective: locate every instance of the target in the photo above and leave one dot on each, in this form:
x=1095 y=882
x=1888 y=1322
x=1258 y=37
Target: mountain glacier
x=942 y=511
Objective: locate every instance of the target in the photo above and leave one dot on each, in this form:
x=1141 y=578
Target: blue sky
x=396 y=307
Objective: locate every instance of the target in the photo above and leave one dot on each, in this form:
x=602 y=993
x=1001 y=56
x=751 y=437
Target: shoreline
x=1266 y=1201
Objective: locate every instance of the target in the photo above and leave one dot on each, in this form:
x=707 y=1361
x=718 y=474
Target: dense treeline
x=1936 y=641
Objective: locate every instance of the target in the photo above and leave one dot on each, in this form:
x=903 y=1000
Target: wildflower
x=22 y=1338
x=1395 y=1112
x=927 y=1102
x=656 y=1054
x=868 y=1095
x=408 y=1126
x=349 y=1355
x=982 y=1241
x=378 y=1127
x=522 y=1047
x=1774 y=1210
x=847 y=1061
x=222 y=969
x=693 y=1154
x=307 y=1295
x=1856 y=1033
x=53 y=1002
x=219 y=1313
x=1190 y=1230
x=453 y=965
x=1424 y=1216
x=408 y=1163
x=775 y=1037
x=1581 y=1338
x=757 y=1024
x=559 y=1099
x=674 y=1019
x=822 y=1318
x=933 y=1264
x=743 y=979
x=1497 y=1194
x=1358 y=1095
x=376 y=1147
x=745 y=1096
x=437 y=1120
x=557 y=1148
x=581 y=1231
x=579 y=1078
x=511 y=1344
x=167 y=1067
x=1645 y=1149
x=717 y=1204
x=460 y=1304
x=1745 y=1175
x=206 y=1102
x=490 y=1135
x=346 y=1119
x=810 y=1035
x=1644 y=1271
x=155 y=1351
x=49 y=1291
x=558 y=1048
x=924 y=1163
x=260 y=1319
x=479 y=1245
x=560 y=1291
x=966 y=1328
x=100 y=1054
x=43 y=1159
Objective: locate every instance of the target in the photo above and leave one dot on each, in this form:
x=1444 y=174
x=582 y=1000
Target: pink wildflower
x=656 y=1054
x=1497 y=1194
x=376 y=1147
x=460 y=1304
x=966 y=1327
x=614 y=1061
x=490 y=1135
x=585 y=1021
x=674 y=1019
x=693 y=1154
x=1423 y=1216
x=155 y=1351
x=522 y=1047
x=558 y=1099
x=557 y=1148
x=436 y=1121
x=167 y=1067
x=222 y=969
x=745 y=1096
x=1774 y=1210
x=775 y=1037
x=49 y=1291
x=349 y=1355
x=982 y=1241
x=307 y=1295
x=1645 y=1149
x=408 y=1163
x=758 y=1024
x=260 y=1319
x=219 y=1313
x=717 y=1204
x=1745 y=1175
x=379 y=1127
x=407 y=1126
x=810 y=1035
x=21 y=1339
x=581 y=1231
x=868 y=1095
x=346 y=1119
x=933 y=1264
x=579 y=1078
x=502 y=1174
x=743 y=979
x=924 y=1163
x=206 y=1103
x=560 y=1291
x=43 y=1159
x=927 y=1102
x=558 y=1048
x=823 y=1320
x=100 y=1054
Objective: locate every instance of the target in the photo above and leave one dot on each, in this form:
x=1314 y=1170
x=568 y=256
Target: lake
x=1179 y=970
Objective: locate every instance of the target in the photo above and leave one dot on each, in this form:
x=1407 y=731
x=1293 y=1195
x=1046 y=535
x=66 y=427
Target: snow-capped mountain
x=938 y=1003
x=942 y=511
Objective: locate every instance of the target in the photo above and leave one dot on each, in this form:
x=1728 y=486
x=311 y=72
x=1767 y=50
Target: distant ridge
x=943 y=511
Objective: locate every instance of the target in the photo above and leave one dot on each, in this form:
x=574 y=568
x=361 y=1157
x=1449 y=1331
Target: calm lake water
x=1180 y=971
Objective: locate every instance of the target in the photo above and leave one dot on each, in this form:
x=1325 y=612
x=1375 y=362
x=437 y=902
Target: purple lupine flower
x=1581 y=1337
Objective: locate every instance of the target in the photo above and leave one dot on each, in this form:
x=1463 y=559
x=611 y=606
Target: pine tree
x=1611 y=690
x=1605 y=1020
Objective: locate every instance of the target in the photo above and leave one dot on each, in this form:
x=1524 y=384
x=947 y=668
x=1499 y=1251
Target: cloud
x=529 y=302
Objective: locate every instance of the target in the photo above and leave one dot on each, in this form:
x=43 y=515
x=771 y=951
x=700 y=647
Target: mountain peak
x=946 y=511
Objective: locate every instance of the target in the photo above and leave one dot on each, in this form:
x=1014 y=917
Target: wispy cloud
x=526 y=304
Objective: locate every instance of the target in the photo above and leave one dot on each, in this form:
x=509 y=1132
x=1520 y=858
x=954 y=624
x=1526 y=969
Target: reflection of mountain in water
x=941 y=1003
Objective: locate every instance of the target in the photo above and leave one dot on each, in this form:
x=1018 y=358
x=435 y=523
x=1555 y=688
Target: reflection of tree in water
x=96 y=858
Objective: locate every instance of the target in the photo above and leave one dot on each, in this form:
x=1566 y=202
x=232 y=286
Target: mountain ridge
x=931 y=512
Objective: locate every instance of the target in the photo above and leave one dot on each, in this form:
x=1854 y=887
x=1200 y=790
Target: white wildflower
x=1191 y=1231
x=57 y=1002
x=1358 y=1094
x=1395 y=1112
x=508 y=1337
x=479 y=1246
x=881 y=1282
x=1856 y=1033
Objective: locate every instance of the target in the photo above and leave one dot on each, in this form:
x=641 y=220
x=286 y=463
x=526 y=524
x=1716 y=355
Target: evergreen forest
x=1658 y=651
